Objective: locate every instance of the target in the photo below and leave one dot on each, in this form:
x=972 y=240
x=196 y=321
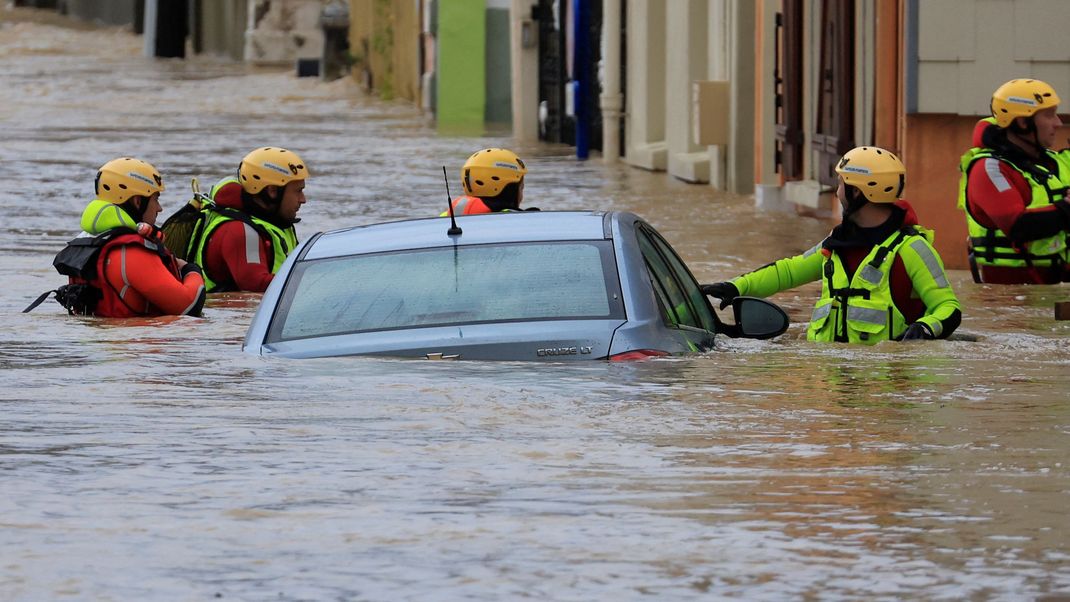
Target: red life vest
x=112 y=303
x=469 y=205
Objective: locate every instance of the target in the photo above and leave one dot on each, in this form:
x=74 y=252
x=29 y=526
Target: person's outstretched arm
x=782 y=274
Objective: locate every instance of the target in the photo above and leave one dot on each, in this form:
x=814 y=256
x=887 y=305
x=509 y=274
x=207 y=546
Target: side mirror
x=756 y=319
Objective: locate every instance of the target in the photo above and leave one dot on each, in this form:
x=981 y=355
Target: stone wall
x=281 y=31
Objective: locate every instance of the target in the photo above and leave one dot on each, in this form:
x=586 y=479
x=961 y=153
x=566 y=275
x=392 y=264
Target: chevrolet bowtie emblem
x=440 y=356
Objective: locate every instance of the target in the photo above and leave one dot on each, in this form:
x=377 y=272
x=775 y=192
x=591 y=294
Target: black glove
x=725 y=291
x=918 y=331
x=190 y=267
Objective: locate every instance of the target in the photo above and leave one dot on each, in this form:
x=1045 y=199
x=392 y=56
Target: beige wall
x=967 y=48
x=644 y=125
x=685 y=51
x=525 y=70
x=731 y=58
x=670 y=47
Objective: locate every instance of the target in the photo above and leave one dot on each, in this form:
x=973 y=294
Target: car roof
x=524 y=226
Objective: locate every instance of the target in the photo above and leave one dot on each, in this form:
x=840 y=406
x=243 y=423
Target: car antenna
x=454 y=230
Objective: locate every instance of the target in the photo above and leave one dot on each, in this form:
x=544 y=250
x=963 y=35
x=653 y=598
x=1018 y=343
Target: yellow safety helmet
x=119 y=179
x=1021 y=98
x=488 y=171
x=879 y=174
x=270 y=166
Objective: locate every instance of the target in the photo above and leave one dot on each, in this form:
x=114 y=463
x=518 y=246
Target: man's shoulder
x=987 y=156
x=227 y=193
x=139 y=254
x=999 y=171
x=919 y=243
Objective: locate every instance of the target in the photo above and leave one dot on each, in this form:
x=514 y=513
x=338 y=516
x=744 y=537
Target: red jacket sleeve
x=998 y=195
x=151 y=279
x=237 y=254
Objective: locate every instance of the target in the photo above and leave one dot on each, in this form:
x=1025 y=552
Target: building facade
x=907 y=75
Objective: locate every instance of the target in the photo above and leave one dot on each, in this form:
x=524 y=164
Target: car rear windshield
x=575 y=280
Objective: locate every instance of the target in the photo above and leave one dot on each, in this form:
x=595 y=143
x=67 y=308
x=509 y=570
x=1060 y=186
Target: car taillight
x=637 y=355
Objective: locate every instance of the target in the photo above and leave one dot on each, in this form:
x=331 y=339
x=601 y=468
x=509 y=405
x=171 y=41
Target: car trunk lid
x=547 y=340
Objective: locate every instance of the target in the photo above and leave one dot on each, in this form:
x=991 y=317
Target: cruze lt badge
x=581 y=350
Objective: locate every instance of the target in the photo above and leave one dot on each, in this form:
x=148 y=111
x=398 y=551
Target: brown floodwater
x=152 y=459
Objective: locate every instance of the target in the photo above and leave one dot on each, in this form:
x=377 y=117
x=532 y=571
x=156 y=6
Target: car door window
x=678 y=306
x=690 y=287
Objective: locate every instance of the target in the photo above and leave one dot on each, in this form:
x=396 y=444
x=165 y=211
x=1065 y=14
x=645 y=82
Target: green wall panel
x=499 y=90
x=462 y=36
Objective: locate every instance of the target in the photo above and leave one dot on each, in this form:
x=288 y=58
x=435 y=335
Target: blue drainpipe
x=582 y=74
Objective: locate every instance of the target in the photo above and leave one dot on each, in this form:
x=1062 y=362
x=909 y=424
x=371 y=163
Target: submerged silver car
x=508 y=286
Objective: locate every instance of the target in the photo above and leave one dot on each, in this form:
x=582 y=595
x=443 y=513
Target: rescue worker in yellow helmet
x=118 y=266
x=249 y=224
x=493 y=181
x=880 y=277
x=1013 y=189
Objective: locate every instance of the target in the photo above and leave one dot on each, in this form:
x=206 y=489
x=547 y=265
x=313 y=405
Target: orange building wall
x=933 y=144
x=887 y=76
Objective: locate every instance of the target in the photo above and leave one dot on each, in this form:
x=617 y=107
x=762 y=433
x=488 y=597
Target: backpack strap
x=39 y=301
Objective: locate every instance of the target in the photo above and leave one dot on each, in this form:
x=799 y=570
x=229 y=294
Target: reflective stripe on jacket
x=991 y=246
x=467 y=205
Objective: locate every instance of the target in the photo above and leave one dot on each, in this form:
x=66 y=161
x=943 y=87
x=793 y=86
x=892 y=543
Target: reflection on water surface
x=152 y=459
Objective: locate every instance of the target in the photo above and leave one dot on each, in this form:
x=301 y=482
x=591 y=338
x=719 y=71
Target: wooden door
x=834 y=126
x=788 y=87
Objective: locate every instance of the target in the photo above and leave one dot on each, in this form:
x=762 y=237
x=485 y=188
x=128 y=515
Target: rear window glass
x=443 y=286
